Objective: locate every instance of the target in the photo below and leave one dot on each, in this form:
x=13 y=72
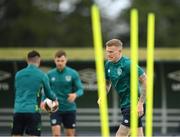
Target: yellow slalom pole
x=150 y=73
x=100 y=70
x=134 y=71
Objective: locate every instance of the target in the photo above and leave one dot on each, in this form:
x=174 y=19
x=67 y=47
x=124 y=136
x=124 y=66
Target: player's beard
x=60 y=67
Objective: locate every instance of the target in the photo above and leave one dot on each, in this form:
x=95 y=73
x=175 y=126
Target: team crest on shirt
x=53 y=79
x=119 y=71
x=68 y=78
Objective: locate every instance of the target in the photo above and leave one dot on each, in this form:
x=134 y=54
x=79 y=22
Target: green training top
x=28 y=84
x=119 y=75
x=65 y=82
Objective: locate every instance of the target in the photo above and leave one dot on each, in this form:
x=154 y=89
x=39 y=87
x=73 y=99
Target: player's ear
x=66 y=59
x=39 y=61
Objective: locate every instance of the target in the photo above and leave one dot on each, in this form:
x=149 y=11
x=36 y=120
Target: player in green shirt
x=28 y=84
x=66 y=84
x=117 y=70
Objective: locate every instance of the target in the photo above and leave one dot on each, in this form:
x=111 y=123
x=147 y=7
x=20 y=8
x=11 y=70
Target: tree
x=167 y=13
x=42 y=24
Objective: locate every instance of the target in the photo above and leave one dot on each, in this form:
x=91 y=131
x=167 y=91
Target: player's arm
x=142 y=97
x=78 y=89
x=108 y=86
x=47 y=89
x=47 y=92
x=142 y=79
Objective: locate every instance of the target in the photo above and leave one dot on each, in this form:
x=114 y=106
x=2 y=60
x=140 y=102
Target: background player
x=67 y=85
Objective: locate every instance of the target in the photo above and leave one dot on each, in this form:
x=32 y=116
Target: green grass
x=83 y=53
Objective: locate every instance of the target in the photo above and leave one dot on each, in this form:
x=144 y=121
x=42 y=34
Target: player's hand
x=72 y=97
x=99 y=101
x=56 y=102
x=42 y=106
x=140 y=109
x=56 y=105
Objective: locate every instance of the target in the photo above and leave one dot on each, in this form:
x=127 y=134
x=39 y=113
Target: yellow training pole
x=150 y=73
x=100 y=70
x=134 y=71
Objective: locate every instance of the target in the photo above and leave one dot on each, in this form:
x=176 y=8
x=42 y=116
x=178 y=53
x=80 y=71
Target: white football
x=50 y=105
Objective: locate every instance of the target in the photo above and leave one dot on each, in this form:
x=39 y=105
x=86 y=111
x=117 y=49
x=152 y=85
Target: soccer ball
x=50 y=105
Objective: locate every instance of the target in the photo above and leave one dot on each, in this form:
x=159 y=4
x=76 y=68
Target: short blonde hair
x=114 y=42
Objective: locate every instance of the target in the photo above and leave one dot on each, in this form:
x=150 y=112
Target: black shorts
x=30 y=123
x=126 y=118
x=68 y=119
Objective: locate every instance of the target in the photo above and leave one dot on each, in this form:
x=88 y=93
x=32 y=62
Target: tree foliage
x=44 y=23
x=167 y=30
x=40 y=23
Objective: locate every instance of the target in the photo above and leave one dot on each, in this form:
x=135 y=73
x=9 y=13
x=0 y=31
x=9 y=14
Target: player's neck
x=120 y=56
x=61 y=69
x=35 y=64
